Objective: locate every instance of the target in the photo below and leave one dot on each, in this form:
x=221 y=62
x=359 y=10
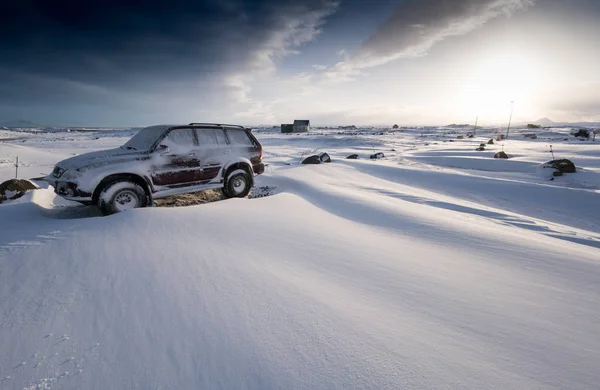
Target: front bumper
x=69 y=190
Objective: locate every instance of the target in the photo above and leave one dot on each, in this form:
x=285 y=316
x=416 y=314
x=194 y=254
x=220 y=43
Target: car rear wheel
x=238 y=184
x=121 y=196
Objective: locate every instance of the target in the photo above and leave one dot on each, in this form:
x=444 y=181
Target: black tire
x=120 y=196
x=238 y=184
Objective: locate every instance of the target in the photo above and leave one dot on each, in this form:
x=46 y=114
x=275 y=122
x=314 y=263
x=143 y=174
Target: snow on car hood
x=100 y=157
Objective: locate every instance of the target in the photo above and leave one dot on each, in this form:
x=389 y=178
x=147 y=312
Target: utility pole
x=512 y=107
x=475 y=128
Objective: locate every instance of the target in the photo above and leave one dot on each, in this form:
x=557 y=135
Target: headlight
x=58 y=171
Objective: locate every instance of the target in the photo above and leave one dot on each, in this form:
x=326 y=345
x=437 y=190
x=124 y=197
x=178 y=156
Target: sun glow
x=497 y=81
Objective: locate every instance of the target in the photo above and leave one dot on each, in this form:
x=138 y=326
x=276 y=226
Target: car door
x=212 y=151
x=175 y=163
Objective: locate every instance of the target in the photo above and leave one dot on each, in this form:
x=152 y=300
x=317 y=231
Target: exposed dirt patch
x=208 y=196
x=190 y=199
x=261 y=192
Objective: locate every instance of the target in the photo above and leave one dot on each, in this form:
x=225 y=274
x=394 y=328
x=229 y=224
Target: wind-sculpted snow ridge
x=388 y=274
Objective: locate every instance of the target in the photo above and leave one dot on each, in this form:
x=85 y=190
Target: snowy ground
x=436 y=267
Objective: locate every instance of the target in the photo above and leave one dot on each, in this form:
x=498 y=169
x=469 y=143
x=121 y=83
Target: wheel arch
x=244 y=164
x=132 y=177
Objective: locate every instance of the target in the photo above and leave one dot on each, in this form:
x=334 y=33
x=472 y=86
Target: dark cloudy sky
x=134 y=62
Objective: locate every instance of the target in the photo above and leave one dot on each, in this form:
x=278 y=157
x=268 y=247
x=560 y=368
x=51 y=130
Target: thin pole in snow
x=17 y=168
x=512 y=107
x=475 y=128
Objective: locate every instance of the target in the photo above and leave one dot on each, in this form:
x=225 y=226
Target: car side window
x=239 y=137
x=206 y=137
x=221 y=139
x=183 y=137
x=180 y=140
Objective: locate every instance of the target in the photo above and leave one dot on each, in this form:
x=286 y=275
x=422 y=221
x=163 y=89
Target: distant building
x=299 y=126
x=287 y=128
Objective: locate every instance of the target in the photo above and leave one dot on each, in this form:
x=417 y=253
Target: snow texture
x=437 y=267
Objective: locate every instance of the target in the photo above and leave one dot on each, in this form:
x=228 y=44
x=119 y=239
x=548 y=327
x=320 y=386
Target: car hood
x=102 y=157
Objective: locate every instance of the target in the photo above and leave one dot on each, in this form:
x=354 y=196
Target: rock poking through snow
x=324 y=157
x=562 y=165
x=312 y=160
x=501 y=154
x=15 y=188
x=582 y=133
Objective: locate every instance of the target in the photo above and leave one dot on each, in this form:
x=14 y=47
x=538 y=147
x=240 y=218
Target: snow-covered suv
x=160 y=161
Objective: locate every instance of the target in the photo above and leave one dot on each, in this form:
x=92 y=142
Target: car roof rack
x=216 y=124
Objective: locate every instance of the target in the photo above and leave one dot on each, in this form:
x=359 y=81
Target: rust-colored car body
x=165 y=160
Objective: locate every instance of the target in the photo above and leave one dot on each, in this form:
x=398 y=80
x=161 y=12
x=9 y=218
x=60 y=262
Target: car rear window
x=239 y=137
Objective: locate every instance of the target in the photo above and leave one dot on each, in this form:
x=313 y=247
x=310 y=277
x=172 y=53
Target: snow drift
x=387 y=274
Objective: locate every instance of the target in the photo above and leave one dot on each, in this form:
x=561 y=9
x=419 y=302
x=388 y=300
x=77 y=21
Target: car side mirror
x=163 y=149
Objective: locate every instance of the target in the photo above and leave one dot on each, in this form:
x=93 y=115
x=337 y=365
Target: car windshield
x=145 y=138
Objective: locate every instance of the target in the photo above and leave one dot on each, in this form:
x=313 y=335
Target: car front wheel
x=121 y=196
x=238 y=184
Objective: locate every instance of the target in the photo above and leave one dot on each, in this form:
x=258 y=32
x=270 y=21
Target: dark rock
x=501 y=155
x=15 y=188
x=324 y=157
x=470 y=136
x=377 y=156
x=563 y=165
x=480 y=149
x=557 y=173
x=582 y=133
x=312 y=160
x=491 y=142
x=352 y=157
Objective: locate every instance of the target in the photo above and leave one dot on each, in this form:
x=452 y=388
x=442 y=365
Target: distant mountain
x=544 y=122
x=20 y=123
